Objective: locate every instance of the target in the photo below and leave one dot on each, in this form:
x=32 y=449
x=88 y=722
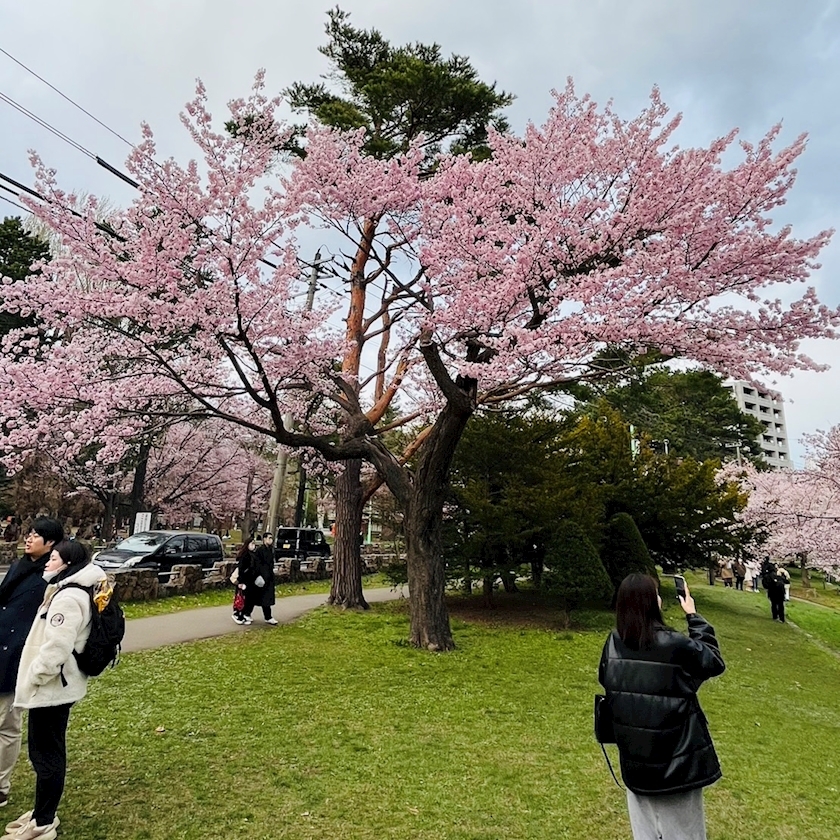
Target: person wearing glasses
x=21 y=592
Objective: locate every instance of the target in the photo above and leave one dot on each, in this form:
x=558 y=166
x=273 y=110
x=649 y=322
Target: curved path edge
x=209 y=622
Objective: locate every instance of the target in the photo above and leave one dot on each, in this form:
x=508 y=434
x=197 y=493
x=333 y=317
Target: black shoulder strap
x=74 y=585
x=71 y=585
x=609 y=764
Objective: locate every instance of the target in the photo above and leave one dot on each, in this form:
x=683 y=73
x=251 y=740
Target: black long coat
x=21 y=593
x=254 y=564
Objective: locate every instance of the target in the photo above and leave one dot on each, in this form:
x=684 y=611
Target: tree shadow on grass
x=528 y=610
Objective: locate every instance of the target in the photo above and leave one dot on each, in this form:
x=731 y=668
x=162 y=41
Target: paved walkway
x=207 y=622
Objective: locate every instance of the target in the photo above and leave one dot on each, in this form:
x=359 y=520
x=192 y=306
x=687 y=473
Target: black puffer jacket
x=660 y=729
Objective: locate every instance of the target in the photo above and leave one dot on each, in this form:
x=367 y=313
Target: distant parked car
x=161 y=550
x=305 y=547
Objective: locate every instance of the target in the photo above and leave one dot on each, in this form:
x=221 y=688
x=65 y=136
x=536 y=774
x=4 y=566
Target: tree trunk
x=487 y=591
x=138 y=486
x=423 y=520
x=247 y=525
x=109 y=503
x=427 y=575
x=346 y=589
x=806 y=575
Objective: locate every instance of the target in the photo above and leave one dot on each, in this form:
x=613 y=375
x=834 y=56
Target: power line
x=64 y=96
x=103 y=226
x=14 y=203
x=60 y=134
x=100 y=161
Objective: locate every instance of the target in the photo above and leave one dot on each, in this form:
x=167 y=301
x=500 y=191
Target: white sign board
x=142 y=521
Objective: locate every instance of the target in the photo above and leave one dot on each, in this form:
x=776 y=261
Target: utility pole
x=634 y=444
x=283 y=455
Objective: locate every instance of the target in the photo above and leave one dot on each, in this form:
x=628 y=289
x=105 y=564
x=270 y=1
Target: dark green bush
x=624 y=551
x=573 y=569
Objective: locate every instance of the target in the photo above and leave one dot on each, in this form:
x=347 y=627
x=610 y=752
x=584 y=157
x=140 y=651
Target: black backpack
x=107 y=629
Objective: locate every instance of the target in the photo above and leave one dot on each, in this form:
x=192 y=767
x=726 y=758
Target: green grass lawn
x=334 y=728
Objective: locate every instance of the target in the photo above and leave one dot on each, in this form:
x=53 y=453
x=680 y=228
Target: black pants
x=777 y=607
x=48 y=754
x=250 y=604
x=739 y=583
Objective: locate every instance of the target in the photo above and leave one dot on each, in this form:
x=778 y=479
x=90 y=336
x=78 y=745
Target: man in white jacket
x=50 y=682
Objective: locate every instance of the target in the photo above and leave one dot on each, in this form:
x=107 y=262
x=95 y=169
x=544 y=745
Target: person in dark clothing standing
x=259 y=587
x=244 y=575
x=21 y=593
x=774 y=585
x=651 y=674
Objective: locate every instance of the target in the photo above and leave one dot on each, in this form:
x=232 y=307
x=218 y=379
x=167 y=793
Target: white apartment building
x=771 y=414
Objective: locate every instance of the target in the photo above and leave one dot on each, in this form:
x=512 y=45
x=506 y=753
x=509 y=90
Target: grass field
x=334 y=728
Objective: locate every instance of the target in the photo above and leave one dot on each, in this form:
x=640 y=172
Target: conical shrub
x=573 y=569
x=624 y=551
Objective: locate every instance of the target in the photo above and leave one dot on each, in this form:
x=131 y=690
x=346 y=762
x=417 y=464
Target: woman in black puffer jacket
x=651 y=674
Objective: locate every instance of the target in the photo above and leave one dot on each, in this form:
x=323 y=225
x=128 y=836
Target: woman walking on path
x=244 y=573
x=259 y=583
x=651 y=674
x=50 y=681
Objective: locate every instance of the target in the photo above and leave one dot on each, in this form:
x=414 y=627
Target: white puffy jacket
x=48 y=673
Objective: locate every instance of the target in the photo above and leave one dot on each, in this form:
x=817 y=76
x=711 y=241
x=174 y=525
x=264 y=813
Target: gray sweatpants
x=675 y=816
x=10 y=726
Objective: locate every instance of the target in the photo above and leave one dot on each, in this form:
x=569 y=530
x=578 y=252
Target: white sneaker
x=33 y=831
x=247 y=619
x=271 y=621
x=237 y=619
x=22 y=820
x=19 y=823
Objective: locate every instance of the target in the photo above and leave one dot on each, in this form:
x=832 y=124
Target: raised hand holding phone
x=683 y=595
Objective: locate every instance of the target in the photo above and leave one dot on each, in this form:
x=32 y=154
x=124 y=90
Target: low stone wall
x=185 y=579
x=219 y=576
x=137 y=585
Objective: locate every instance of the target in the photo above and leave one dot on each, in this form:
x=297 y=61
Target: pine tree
x=573 y=569
x=624 y=551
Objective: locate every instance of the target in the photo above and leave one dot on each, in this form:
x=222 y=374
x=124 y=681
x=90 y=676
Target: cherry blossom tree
x=800 y=509
x=587 y=233
x=207 y=469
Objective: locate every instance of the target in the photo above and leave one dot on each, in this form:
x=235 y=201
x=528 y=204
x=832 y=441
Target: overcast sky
x=749 y=63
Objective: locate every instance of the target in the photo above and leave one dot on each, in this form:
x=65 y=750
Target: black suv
x=306 y=546
x=161 y=550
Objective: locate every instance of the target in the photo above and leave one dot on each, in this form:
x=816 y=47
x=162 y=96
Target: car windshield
x=143 y=541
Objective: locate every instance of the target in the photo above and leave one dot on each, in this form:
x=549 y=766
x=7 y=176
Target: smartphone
x=679 y=582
